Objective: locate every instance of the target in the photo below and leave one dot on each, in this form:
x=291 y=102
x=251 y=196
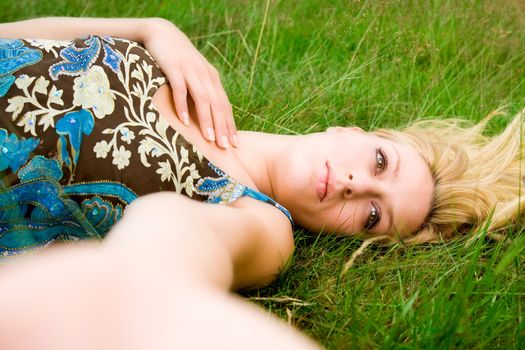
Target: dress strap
x=225 y=189
x=264 y=198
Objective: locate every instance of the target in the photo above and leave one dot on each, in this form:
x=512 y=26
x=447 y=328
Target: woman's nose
x=358 y=186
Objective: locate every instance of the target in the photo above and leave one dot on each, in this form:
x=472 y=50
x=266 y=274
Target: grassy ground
x=300 y=66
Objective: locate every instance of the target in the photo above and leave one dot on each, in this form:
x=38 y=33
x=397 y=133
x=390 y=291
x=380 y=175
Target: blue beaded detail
x=38 y=211
x=77 y=61
x=222 y=190
x=102 y=188
x=40 y=167
x=14 y=152
x=14 y=56
x=225 y=189
x=112 y=58
x=43 y=193
x=5 y=84
x=101 y=214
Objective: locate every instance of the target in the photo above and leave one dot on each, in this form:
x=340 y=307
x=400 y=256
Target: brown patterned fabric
x=143 y=158
x=87 y=104
x=80 y=140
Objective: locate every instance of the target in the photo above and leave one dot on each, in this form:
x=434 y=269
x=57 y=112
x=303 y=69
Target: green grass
x=316 y=63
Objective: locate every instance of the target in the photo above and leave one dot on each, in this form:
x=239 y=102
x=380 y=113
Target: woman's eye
x=373 y=218
x=381 y=160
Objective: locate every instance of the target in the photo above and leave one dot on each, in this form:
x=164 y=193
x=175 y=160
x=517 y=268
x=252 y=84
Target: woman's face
x=346 y=181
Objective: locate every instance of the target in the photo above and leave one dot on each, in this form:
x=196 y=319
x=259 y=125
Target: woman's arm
x=158 y=281
x=187 y=70
x=62 y=28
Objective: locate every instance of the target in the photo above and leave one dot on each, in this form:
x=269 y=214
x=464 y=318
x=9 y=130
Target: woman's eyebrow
x=395 y=176
x=390 y=219
x=398 y=163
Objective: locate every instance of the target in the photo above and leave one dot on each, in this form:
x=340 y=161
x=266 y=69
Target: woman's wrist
x=153 y=26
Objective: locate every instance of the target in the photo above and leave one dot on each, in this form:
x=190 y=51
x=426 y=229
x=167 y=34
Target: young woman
x=90 y=125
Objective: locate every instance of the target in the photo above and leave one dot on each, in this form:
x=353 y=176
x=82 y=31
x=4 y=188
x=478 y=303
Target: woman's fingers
x=222 y=108
x=190 y=73
x=179 y=91
x=201 y=99
x=218 y=108
x=212 y=106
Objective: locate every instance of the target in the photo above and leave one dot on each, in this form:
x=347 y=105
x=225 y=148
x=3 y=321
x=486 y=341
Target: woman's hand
x=188 y=71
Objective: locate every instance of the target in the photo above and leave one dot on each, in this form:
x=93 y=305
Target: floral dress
x=80 y=140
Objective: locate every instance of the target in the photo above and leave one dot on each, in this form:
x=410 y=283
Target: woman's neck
x=259 y=154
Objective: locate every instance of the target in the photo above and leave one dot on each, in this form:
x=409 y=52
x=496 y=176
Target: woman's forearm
x=62 y=28
x=152 y=284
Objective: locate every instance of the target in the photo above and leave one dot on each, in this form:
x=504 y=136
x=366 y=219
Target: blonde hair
x=478 y=178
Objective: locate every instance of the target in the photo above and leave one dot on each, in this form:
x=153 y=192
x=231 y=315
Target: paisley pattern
x=78 y=60
x=14 y=55
x=80 y=140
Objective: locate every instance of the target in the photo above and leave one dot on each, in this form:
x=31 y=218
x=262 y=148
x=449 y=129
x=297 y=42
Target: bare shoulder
x=257 y=237
x=269 y=243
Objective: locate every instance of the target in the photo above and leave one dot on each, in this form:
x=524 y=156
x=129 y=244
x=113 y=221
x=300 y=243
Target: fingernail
x=235 y=140
x=224 y=141
x=211 y=135
x=185 y=118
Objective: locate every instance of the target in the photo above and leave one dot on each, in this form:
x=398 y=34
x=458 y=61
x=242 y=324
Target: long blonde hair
x=478 y=178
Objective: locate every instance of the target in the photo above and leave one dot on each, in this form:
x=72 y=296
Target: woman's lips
x=322 y=184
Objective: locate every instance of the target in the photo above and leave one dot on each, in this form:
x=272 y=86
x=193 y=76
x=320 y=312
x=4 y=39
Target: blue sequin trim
x=103 y=188
x=264 y=198
x=225 y=189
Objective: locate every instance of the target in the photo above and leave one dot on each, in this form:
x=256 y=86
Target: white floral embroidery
x=16 y=104
x=23 y=81
x=127 y=135
x=194 y=173
x=28 y=121
x=156 y=146
x=183 y=154
x=121 y=157
x=150 y=117
x=49 y=45
x=46 y=121
x=101 y=149
x=132 y=58
x=55 y=96
x=188 y=186
x=146 y=146
x=147 y=68
x=41 y=85
x=38 y=114
x=197 y=152
x=164 y=171
x=137 y=74
x=92 y=91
